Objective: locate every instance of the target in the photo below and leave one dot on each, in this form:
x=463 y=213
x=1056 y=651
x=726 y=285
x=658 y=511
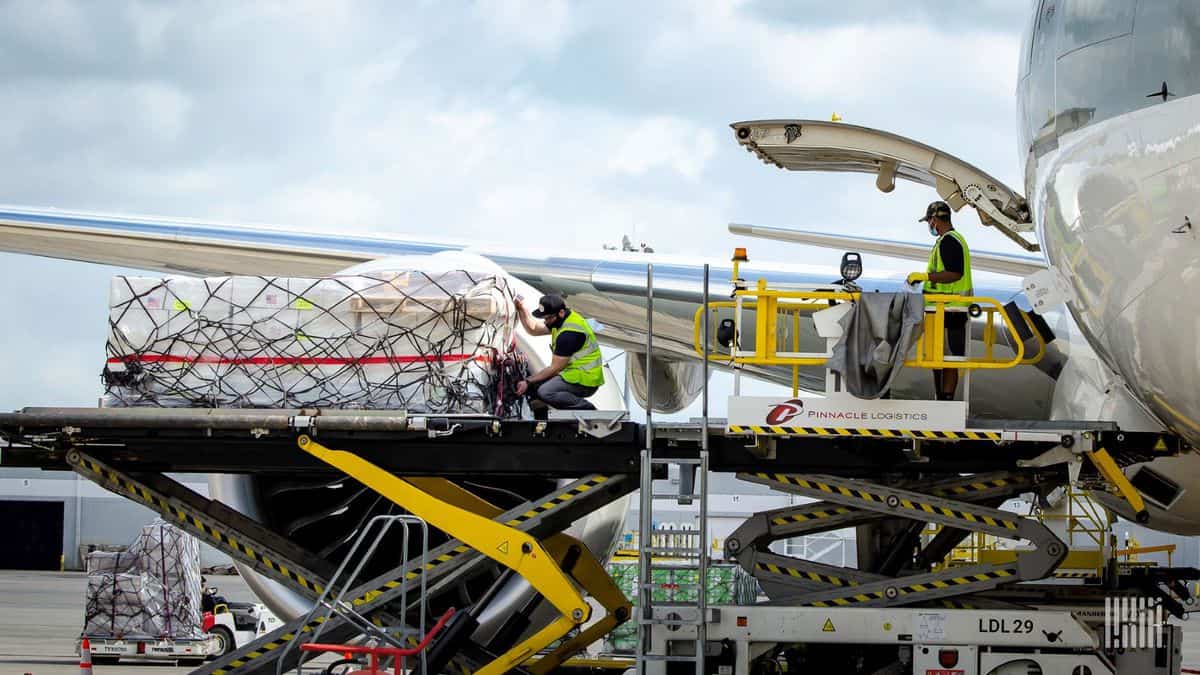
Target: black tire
x=105 y=660
x=226 y=643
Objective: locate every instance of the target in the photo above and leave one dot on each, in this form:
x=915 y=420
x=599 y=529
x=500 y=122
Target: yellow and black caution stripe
x=772 y=568
x=358 y=602
x=272 y=645
x=900 y=590
x=914 y=505
x=371 y=599
x=588 y=484
x=275 y=643
x=545 y=507
x=830 y=511
x=765 y=430
x=232 y=544
x=205 y=528
x=283 y=640
x=976 y=486
x=1076 y=574
x=809 y=514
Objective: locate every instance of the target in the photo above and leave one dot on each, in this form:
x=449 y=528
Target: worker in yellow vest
x=576 y=370
x=949 y=272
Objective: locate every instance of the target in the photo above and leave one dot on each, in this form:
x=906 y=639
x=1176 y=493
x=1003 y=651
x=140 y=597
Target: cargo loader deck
x=264 y=441
x=596 y=456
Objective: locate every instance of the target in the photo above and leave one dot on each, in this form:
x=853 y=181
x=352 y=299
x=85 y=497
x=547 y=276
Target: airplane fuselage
x=1109 y=126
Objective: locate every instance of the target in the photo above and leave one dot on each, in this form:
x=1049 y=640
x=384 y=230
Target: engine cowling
x=676 y=384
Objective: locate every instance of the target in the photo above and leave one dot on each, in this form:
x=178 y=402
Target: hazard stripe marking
x=813 y=576
x=904 y=503
x=775 y=430
x=859 y=597
x=431 y=565
x=192 y=521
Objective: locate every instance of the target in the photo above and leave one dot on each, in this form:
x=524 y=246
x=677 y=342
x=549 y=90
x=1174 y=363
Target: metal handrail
x=397 y=653
x=344 y=579
x=771 y=304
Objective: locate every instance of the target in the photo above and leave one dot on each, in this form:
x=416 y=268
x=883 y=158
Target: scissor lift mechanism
x=526 y=539
x=115 y=448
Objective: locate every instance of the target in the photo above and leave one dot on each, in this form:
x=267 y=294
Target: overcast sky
x=563 y=123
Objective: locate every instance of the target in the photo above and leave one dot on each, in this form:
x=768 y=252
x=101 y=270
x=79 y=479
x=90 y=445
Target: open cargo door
x=811 y=145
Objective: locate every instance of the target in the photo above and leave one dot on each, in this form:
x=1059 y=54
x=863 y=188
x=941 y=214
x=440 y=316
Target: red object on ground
x=85 y=657
x=376 y=652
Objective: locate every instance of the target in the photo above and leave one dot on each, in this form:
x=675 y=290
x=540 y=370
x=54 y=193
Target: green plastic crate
x=727 y=584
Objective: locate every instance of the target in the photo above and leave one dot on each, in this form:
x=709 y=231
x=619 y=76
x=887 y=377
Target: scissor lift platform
x=264 y=441
x=411 y=459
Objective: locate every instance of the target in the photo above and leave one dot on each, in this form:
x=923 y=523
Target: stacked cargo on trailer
x=144 y=602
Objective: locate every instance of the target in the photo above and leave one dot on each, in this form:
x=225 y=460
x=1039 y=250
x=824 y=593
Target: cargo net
x=150 y=590
x=430 y=342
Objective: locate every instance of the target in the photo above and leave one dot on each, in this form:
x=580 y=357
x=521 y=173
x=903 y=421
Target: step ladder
x=693 y=490
x=393 y=642
x=690 y=545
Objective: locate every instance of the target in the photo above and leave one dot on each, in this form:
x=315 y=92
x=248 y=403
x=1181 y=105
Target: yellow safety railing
x=773 y=307
x=1131 y=554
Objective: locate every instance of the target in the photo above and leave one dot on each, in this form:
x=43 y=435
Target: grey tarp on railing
x=877 y=336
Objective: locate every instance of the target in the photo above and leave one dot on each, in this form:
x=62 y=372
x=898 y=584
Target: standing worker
x=576 y=370
x=949 y=273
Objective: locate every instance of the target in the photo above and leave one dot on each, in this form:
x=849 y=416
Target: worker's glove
x=916 y=278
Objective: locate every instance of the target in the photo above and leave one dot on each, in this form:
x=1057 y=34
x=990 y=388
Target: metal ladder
x=330 y=603
x=693 y=471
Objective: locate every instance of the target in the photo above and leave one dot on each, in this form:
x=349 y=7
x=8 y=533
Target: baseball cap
x=939 y=209
x=549 y=304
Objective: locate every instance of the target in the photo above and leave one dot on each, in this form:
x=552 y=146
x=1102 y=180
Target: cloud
x=664 y=142
x=560 y=124
x=542 y=26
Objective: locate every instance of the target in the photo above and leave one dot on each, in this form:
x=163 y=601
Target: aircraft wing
x=180 y=246
x=1019 y=266
x=608 y=286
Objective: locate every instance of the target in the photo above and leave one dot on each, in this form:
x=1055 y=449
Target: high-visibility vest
x=585 y=367
x=961 y=287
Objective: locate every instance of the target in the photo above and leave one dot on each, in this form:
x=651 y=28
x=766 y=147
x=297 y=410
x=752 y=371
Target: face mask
x=933 y=231
x=556 y=322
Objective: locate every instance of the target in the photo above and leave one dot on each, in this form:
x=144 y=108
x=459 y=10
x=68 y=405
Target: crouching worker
x=575 y=371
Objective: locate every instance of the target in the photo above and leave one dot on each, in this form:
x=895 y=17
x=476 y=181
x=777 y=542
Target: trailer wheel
x=225 y=643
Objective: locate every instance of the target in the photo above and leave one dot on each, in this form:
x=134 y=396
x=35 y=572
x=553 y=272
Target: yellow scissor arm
x=470 y=519
x=587 y=571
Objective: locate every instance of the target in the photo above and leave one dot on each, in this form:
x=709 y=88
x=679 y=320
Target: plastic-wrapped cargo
x=727 y=584
x=126 y=605
x=414 y=340
x=112 y=562
x=150 y=590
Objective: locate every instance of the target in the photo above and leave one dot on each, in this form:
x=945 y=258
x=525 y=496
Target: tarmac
x=41 y=614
